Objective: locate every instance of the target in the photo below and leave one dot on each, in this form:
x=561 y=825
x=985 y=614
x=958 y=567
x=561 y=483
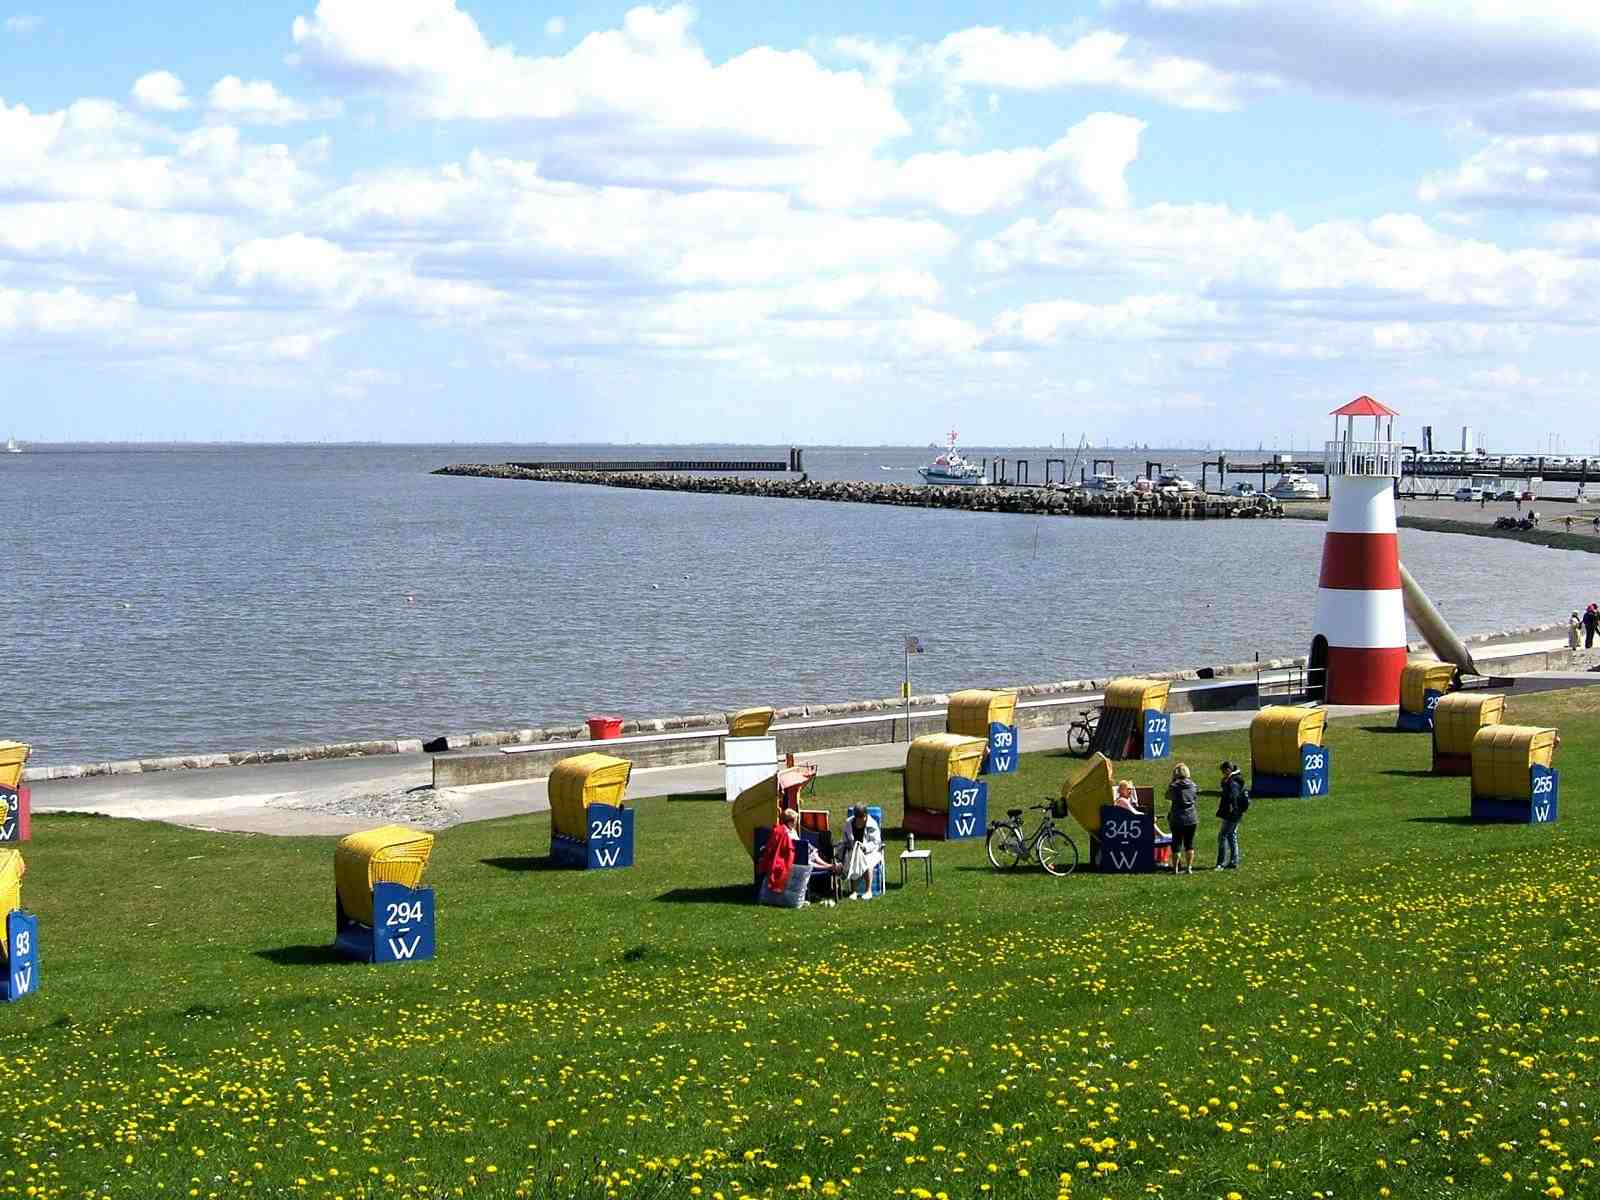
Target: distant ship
x=12 y=447
x=952 y=469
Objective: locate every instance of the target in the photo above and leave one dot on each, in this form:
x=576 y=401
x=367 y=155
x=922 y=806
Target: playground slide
x=1433 y=627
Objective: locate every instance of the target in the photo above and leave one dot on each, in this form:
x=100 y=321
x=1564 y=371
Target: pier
x=1038 y=499
x=795 y=465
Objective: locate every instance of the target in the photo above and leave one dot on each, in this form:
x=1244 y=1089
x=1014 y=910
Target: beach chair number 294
x=404 y=914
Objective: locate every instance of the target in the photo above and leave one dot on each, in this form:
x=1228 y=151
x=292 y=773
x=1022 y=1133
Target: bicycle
x=1054 y=849
x=1080 y=733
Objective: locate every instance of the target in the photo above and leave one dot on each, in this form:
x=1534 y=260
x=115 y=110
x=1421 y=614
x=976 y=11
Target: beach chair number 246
x=605 y=831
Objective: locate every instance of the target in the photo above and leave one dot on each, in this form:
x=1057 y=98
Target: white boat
x=1293 y=485
x=1172 y=479
x=1104 y=481
x=951 y=469
x=12 y=447
x=1243 y=489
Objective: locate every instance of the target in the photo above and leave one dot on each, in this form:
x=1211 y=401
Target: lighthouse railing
x=1381 y=459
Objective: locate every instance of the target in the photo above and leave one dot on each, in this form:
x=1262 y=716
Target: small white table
x=924 y=856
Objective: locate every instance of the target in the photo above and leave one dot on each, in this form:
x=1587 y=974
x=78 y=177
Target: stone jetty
x=1048 y=500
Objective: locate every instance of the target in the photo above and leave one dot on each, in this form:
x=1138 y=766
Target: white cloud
x=28 y=316
x=112 y=243
x=22 y=24
x=160 y=91
x=1085 y=167
x=990 y=57
x=1391 y=286
x=1138 y=318
x=1555 y=171
x=646 y=86
x=258 y=102
x=1414 y=49
x=319 y=273
x=96 y=151
x=500 y=219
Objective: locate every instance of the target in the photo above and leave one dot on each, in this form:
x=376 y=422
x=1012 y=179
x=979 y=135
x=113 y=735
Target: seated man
x=860 y=852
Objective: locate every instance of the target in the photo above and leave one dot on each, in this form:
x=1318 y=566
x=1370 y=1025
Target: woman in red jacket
x=783 y=879
x=777 y=856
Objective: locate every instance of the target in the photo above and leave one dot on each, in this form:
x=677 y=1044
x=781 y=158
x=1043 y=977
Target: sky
x=1168 y=221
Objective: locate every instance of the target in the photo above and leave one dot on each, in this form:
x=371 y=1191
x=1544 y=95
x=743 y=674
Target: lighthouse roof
x=1364 y=406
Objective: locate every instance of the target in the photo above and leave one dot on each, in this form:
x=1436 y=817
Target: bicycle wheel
x=1004 y=847
x=1078 y=740
x=1058 y=853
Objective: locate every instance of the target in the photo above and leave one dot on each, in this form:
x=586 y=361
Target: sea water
x=177 y=599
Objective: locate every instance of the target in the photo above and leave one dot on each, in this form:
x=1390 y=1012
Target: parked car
x=1469 y=493
x=1508 y=494
x=1528 y=495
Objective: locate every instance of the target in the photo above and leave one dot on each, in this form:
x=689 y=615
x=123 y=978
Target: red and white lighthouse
x=1359 y=639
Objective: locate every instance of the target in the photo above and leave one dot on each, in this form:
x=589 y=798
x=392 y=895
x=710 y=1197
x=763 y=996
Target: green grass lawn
x=1385 y=1001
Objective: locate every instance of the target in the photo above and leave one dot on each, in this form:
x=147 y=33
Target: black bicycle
x=1008 y=846
x=1080 y=734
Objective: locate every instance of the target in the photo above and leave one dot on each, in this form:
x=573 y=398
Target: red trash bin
x=604 y=728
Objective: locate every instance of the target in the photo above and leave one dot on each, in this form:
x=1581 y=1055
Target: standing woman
x=1183 y=814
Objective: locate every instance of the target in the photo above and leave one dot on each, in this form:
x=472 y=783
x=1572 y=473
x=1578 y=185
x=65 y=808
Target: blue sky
x=1151 y=220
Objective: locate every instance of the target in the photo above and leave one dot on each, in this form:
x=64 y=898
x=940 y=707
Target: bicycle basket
x=1058 y=808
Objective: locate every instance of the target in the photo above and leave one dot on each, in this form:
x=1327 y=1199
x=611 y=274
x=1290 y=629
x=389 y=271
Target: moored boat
x=951 y=469
x=1105 y=482
x=1293 y=485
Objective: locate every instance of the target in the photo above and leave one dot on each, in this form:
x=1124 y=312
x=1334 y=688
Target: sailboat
x=12 y=447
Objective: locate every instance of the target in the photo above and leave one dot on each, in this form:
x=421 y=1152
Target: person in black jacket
x=1230 y=811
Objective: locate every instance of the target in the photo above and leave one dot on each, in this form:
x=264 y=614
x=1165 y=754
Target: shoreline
x=1473 y=521
x=684 y=723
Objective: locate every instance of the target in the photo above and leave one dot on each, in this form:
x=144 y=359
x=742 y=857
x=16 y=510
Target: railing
x=1363 y=458
x=1294 y=684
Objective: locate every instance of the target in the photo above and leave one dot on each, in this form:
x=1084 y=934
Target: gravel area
x=420 y=807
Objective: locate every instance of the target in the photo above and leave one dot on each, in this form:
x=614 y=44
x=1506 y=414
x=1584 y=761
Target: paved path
x=318 y=798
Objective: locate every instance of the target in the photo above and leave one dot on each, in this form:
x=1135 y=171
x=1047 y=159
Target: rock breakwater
x=1043 y=501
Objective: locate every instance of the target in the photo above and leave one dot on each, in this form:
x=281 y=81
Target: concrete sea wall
x=665 y=741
